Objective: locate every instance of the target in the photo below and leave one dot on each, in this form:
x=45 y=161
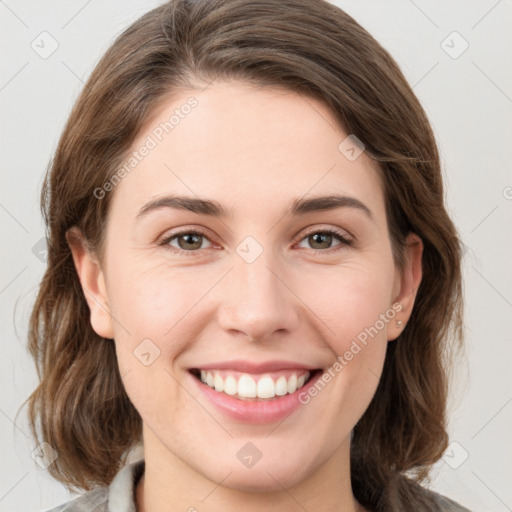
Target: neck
x=169 y=484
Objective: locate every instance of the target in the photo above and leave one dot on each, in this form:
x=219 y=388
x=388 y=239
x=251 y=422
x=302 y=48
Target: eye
x=324 y=238
x=191 y=241
x=188 y=241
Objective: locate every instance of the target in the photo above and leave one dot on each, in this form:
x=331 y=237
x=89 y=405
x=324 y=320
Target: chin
x=259 y=481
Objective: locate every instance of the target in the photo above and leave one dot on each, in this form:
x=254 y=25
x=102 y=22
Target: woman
x=251 y=271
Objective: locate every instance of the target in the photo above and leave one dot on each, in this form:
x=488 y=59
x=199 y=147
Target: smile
x=245 y=386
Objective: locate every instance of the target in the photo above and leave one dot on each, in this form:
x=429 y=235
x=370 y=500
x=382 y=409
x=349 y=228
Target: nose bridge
x=256 y=300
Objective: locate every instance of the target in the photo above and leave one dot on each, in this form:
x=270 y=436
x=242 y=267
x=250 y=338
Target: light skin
x=253 y=150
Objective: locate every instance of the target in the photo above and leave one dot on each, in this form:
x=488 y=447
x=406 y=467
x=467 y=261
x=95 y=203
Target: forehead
x=252 y=149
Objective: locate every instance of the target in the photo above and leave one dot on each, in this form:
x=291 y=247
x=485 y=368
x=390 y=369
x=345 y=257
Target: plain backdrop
x=455 y=54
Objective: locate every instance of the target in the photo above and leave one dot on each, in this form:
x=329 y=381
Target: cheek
x=152 y=301
x=349 y=301
x=343 y=302
x=156 y=322
x=352 y=305
x=158 y=315
x=356 y=336
x=171 y=307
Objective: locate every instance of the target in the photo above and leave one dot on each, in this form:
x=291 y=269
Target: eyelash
x=328 y=231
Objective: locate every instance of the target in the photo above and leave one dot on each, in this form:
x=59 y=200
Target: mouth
x=269 y=386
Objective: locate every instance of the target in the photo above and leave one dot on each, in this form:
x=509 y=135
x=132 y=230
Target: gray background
x=468 y=97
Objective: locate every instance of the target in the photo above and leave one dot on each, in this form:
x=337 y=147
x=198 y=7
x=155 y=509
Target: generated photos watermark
x=152 y=140
x=357 y=345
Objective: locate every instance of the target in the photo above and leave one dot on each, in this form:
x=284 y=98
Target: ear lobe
x=408 y=282
x=93 y=283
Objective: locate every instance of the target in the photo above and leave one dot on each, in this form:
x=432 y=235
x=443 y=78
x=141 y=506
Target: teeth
x=218 y=382
x=281 y=386
x=230 y=385
x=247 y=387
x=266 y=388
x=292 y=384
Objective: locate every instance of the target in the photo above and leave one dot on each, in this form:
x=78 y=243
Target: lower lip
x=263 y=411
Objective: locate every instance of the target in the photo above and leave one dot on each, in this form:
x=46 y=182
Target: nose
x=257 y=300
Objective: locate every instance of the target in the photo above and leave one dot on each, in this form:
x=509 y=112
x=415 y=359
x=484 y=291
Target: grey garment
x=120 y=495
x=447 y=505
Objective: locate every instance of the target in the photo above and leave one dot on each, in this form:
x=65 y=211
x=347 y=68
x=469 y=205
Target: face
x=182 y=291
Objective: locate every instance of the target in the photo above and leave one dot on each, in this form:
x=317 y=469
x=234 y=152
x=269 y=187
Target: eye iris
x=325 y=236
x=189 y=236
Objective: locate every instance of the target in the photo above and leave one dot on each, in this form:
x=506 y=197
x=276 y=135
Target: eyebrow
x=298 y=206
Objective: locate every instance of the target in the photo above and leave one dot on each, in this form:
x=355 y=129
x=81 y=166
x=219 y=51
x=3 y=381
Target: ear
x=406 y=285
x=93 y=283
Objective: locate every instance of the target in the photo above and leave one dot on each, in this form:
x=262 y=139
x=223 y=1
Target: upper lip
x=253 y=367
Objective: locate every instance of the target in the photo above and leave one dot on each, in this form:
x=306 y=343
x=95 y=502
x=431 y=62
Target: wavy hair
x=314 y=48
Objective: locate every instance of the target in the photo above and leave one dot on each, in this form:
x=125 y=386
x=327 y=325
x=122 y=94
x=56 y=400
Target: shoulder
x=95 y=500
x=447 y=505
x=403 y=494
x=119 y=496
x=433 y=501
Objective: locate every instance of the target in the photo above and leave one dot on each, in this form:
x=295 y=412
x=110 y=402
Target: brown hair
x=311 y=47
